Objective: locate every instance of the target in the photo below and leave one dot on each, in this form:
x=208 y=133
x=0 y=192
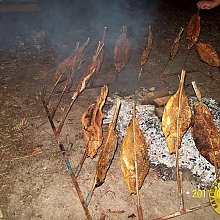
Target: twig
x=146 y=51
x=162 y=73
x=2 y=174
x=102 y=216
x=48 y=114
x=215 y=161
x=176 y=214
x=54 y=87
x=104 y=33
x=139 y=76
x=41 y=124
x=79 y=166
x=27 y=156
x=90 y=194
x=58 y=103
x=186 y=59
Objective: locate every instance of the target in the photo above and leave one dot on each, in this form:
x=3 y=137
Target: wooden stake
x=186 y=59
x=90 y=194
x=79 y=166
x=54 y=87
x=79 y=192
x=178 y=173
x=176 y=214
x=139 y=208
x=162 y=73
x=139 y=76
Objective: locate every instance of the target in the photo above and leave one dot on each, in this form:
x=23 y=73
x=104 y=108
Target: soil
x=34 y=182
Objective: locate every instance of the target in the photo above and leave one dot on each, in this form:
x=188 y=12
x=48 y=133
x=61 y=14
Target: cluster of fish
x=178 y=118
x=133 y=146
x=134 y=158
x=205 y=51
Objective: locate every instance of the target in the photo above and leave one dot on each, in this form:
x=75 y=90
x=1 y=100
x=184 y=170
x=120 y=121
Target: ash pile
x=190 y=158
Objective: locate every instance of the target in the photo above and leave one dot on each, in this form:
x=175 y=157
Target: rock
x=1 y=214
x=152 y=89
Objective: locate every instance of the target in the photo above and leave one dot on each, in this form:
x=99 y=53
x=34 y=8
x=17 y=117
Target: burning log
x=122 y=50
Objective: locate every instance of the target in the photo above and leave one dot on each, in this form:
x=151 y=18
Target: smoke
x=66 y=22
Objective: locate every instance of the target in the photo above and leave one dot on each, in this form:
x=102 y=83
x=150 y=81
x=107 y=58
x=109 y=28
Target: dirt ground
x=34 y=182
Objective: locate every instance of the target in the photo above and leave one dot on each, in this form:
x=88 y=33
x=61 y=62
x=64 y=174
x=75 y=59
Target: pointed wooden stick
x=176 y=214
x=174 y=49
x=139 y=208
x=90 y=194
x=168 y=61
x=104 y=33
x=215 y=162
x=54 y=87
x=198 y=93
x=186 y=59
x=67 y=84
x=58 y=103
x=48 y=113
x=146 y=51
x=79 y=192
x=139 y=76
x=178 y=173
x=79 y=166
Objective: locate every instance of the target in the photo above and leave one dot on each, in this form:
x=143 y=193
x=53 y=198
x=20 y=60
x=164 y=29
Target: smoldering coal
x=190 y=158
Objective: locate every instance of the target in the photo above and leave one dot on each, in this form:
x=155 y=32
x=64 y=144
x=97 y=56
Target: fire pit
x=190 y=158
